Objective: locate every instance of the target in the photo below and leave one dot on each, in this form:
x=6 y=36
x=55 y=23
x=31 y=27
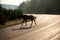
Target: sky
x=11 y=2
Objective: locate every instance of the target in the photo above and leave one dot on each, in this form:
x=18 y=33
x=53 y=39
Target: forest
x=9 y=15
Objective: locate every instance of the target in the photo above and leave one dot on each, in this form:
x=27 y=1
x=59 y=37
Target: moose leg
x=26 y=24
x=31 y=24
x=35 y=21
x=22 y=23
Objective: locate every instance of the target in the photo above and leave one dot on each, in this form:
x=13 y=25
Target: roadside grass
x=11 y=23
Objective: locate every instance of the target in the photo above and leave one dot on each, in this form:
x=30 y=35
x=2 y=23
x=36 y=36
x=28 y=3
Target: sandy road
x=47 y=28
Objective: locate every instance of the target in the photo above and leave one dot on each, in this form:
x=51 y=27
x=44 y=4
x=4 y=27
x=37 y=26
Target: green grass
x=11 y=23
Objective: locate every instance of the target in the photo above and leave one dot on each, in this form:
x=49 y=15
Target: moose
x=27 y=18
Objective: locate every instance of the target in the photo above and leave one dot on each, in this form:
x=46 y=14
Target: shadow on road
x=22 y=28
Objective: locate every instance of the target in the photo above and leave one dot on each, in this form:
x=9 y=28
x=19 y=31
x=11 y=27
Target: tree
x=0 y=6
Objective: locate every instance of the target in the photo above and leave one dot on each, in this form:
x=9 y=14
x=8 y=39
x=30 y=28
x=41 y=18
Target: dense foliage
x=8 y=15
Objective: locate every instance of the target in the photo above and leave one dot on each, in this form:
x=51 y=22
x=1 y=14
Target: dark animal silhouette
x=27 y=18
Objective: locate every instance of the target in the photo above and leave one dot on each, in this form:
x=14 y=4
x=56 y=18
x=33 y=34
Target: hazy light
x=12 y=2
